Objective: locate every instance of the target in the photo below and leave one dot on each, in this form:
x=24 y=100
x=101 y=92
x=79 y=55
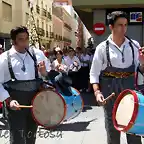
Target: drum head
x=124 y=110
x=48 y=109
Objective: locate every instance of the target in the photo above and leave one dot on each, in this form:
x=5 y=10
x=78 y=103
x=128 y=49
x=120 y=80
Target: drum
x=128 y=112
x=51 y=108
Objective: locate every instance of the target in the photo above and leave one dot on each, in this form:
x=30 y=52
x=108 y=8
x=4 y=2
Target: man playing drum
x=114 y=64
x=20 y=70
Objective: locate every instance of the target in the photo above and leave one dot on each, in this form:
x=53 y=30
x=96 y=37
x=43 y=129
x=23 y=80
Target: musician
x=21 y=69
x=114 y=64
x=59 y=64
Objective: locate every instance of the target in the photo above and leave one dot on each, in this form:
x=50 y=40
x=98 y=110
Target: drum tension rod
x=73 y=107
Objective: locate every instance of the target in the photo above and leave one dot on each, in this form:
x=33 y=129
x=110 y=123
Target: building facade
x=43 y=21
x=12 y=13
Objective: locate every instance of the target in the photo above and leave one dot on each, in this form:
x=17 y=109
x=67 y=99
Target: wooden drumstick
x=24 y=106
x=109 y=97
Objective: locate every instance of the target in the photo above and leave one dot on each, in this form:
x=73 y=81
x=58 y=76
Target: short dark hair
x=112 y=17
x=15 y=31
x=71 y=49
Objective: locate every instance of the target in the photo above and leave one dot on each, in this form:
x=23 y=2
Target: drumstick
x=24 y=106
x=109 y=97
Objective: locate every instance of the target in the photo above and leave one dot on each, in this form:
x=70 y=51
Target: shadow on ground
x=76 y=126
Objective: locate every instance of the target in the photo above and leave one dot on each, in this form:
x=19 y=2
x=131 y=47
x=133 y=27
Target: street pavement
x=87 y=128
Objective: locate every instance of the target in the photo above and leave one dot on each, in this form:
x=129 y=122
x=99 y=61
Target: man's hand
x=14 y=105
x=42 y=68
x=100 y=98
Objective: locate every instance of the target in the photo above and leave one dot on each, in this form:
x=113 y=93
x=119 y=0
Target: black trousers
x=75 y=79
x=113 y=136
x=84 y=77
x=23 y=128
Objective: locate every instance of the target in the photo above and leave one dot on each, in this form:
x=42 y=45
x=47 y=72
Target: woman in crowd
x=73 y=63
x=59 y=64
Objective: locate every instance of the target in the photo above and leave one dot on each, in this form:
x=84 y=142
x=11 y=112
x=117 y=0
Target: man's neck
x=20 y=50
x=118 y=40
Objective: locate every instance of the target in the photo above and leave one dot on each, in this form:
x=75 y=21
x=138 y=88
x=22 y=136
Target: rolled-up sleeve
x=3 y=93
x=96 y=66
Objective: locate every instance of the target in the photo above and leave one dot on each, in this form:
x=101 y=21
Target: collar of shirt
x=126 y=42
x=13 y=51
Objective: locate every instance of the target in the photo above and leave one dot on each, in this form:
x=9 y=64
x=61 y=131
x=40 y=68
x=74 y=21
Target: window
x=42 y=25
x=37 y=23
x=42 y=4
x=50 y=29
x=27 y=17
x=6 y=11
x=46 y=27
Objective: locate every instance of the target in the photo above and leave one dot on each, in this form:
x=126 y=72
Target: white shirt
x=70 y=62
x=85 y=58
x=55 y=63
x=17 y=64
x=99 y=62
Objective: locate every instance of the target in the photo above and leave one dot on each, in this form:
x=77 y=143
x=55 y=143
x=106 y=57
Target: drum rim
x=38 y=122
x=135 y=111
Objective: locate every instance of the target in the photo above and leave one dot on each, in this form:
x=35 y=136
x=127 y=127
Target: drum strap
x=10 y=65
x=108 y=56
x=33 y=56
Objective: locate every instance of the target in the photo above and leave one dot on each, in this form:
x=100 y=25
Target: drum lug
x=73 y=107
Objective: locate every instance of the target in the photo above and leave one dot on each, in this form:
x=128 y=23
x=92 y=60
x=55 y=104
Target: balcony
x=41 y=32
x=51 y=35
x=47 y=34
x=37 y=9
x=67 y=26
x=44 y=12
x=49 y=16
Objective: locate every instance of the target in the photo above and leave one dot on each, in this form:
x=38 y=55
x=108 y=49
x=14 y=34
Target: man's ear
x=111 y=27
x=13 y=42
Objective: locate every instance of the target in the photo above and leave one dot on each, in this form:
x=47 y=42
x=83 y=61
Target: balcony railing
x=41 y=32
x=37 y=9
x=49 y=16
x=51 y=35
x=67 y=26
x=44 y=12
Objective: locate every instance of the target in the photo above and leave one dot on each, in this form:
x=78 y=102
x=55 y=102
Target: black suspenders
x=108 y=56
x=10 y=67
x=33 y=56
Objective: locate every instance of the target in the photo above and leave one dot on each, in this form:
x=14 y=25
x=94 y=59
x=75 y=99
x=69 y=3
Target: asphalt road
x=87 y=128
